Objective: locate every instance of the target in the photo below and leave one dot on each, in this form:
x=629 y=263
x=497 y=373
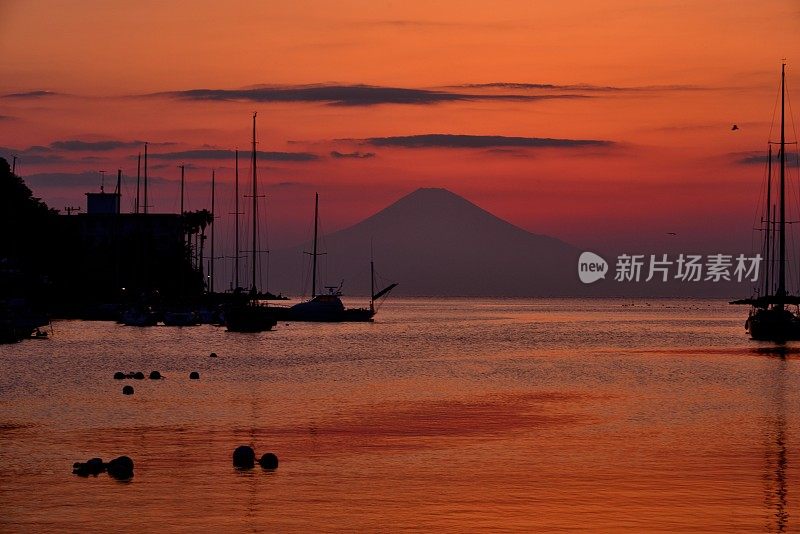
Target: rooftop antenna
x=102 y=181
x=70 y=209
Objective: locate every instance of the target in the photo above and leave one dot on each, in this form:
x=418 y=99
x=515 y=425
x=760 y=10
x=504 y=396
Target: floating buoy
x=121 y=468
x=119 y=375
x=268 y=461
x=80 y=469
x=155 y=375
x=127 y=390
x=194 y=375
x=213 y=354
x=95 y=466
x=244 y=457
x=139 y=375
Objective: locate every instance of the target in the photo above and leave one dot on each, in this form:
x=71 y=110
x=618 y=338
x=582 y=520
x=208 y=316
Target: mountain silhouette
x=433 y=242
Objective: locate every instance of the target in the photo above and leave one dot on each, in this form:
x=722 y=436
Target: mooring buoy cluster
x=154 y=375
x=138 y=375
x=244 y=457
x=120 y=468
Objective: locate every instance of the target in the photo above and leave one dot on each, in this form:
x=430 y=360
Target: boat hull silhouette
x=773 y=324
x=328 y=309
x=250 y=318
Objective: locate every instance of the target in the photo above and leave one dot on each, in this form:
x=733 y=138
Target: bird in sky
x=671 y=233
x=734 y=127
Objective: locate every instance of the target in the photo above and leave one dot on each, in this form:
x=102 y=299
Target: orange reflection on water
x=445 y=415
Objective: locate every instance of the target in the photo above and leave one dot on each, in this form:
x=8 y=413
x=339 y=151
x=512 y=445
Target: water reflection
x=775 y=452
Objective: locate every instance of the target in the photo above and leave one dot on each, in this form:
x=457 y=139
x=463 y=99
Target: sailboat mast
x=213 y=258
x=183 y=184
x=371 y=283
x=138 y=178
x=255 y=206
x=782 y=246
x=767 y=245
x=236 y=225
x=314 y=253
x=118 y=191
x=145 y=178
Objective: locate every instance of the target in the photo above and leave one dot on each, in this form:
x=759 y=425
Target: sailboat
x=246 y=313
x=141 y=313
x=769 y=318
x=328 y=307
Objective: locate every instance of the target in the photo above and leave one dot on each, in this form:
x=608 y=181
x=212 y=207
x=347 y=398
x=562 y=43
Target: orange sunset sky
x=601 y=123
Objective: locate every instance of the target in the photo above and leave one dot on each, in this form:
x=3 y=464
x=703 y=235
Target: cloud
x=583 y=87
x=89 y=179
x=229 y=154
x=346 y=95
x=30 y=94
x=758 y=158
x=32 y=156
x=481 y=141
x=354 y=155
x=428 y=24
x=63 y=179
x=7 y=118
x=79 y=146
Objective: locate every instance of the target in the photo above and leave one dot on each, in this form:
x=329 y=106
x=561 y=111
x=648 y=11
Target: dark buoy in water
x=127 y=390
x=121 y=468
x=155 y=375
x=80 y=469
x=119 y=375
x=139 y=376
x=194 y=375
x=213 y=354
x=268 y=461
x=244 y=457
x=95 y=466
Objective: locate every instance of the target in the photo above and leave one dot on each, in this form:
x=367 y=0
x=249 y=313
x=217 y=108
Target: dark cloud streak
x=762 y=159
x=347 y=95
x=217 y=154
x=482 y=141
x=352 y=155
x=583 y=87
x=31 y=94
x=75 y=145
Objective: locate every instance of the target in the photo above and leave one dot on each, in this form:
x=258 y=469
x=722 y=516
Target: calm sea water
x=443 y=415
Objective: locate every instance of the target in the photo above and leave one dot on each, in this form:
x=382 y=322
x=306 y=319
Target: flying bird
x=671 y=233
x=735 y=127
